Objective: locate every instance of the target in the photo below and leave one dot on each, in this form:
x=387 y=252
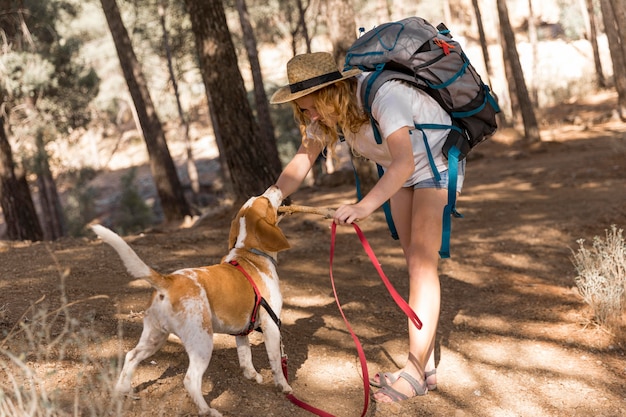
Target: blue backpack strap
x=431 y=160
x=357 y=182
x=450 y=208
x=386 y=205
x=367 y=92
x=453 y=173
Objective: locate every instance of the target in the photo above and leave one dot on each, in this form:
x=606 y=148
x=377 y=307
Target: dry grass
x=601 y=278
x=30 y=382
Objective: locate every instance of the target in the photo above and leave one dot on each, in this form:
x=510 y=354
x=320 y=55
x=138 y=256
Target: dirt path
x=515 y=339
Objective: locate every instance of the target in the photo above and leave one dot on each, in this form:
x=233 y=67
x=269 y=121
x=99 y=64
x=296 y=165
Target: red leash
x=397 y=298
x=404 y=306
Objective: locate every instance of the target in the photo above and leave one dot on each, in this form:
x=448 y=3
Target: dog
x=195 y=303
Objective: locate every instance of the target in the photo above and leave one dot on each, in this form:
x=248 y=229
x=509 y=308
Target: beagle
x=195 y=303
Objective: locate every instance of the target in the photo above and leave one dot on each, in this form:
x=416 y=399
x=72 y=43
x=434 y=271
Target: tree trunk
x=52 y=213
x=250 y=166
x=342 y=31
x=592 y=35
x=341 y=27
x=483 y=39
x=515 y=77
x=260 y=98
x=302 y=24
x=163 y=170
x=485 y=49
x=614 y=15
x=534 y=43
x=16 y=201
x=447 y=13
x=294 y=16
x=383 y=11
x=192 y=168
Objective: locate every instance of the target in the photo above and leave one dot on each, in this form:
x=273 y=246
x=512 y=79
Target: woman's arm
x=296 y=170
x=396 y=174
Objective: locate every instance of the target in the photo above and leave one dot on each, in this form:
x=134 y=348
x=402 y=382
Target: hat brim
x=284 y=94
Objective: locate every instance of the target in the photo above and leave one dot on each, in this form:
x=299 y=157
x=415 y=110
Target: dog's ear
x=234 y=231
x=270 y=237
x=268 y=234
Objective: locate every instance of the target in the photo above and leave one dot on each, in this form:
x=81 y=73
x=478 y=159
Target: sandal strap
x=418 y=388
x=395 y=395
x=432 y=372
x=388 y=378
x=384 y=378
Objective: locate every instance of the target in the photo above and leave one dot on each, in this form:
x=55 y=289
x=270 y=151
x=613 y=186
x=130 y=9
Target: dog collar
x=258 y=252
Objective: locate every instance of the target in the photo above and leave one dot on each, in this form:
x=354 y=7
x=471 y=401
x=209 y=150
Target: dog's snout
x=274 y=195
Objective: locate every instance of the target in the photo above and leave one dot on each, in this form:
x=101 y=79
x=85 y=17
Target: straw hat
x=307 y=73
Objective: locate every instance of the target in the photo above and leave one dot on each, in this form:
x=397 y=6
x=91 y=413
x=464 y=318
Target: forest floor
x=514 y=339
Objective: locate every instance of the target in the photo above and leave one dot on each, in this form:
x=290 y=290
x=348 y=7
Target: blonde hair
x=338 y=102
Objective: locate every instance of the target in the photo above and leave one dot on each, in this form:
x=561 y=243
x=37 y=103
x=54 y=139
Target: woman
x=326 y=103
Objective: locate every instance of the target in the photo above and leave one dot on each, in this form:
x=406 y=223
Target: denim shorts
x=443 y=183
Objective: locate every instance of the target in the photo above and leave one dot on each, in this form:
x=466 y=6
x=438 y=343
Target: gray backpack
x=414 y=51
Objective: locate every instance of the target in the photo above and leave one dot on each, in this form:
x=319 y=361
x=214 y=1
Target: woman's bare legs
x=418 y=217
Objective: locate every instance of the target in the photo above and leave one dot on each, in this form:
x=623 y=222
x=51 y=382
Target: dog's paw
x=253 y=374
x=211 y=412
x=285 y=388
x=123 y=389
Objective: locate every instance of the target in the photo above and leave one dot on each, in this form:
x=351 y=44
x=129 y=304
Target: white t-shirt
x=396 y=105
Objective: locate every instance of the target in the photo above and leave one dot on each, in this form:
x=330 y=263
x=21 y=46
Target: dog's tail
x=133 y=263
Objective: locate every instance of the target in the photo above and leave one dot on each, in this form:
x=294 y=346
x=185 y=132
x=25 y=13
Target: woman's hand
x=350 y=213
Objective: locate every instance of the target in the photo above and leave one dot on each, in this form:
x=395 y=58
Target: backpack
x=414 y=51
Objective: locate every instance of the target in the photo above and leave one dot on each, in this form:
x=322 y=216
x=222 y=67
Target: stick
x=327 y=213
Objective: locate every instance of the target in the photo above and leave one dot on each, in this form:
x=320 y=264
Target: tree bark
x=592 y=34
x=52 y=213
x=483 y=39
x=250 y=166
x=383 y=11
x=614 y=15
x=534 y=43
x=520 y=100
x=484 y=46
x=260 y=98
x=302 y=8
x=192 y=168
x=16 y=201
x=341 y=27
x=167 y=183
x=342 y=31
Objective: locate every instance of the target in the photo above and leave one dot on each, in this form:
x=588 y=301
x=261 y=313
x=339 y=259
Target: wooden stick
x=327 y=213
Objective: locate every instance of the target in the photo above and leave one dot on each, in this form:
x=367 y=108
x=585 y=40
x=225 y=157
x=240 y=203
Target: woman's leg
x=418 y=217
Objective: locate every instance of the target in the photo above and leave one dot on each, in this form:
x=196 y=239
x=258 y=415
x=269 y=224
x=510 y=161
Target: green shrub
x=133 y=214
x=79 y=207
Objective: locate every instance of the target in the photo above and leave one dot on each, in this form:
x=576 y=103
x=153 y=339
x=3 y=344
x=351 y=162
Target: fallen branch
x=326 y=213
